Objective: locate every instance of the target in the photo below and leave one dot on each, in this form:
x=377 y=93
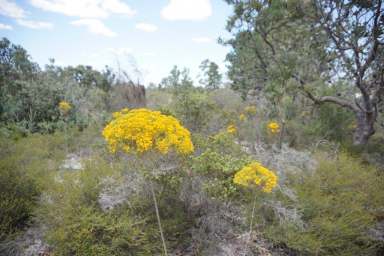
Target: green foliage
x=290 y=47
x=331 y=123
x=220 y=158
x=338 y=203
x=211 y=77
x=177 y=80
x=212 y=162
x=18 y=197
x=24 y=168
x=29 y=96
x=280 y=65
x=87 y=231
x=193 y=108
x=77 y=226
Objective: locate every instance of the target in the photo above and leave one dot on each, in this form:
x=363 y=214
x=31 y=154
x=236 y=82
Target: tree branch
x=324 y=99
x=375 y=34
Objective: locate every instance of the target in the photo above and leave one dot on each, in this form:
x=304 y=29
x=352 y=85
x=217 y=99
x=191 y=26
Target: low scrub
x=337 y=204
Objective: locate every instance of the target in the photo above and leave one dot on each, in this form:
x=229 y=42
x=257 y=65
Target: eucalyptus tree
x=331 y=51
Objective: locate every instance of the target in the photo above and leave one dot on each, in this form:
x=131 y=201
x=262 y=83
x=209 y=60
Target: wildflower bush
x=231 y=129
x=257 y=175
x=274 y=127
x=144 y=132
x=64 y=107
x=141 y=130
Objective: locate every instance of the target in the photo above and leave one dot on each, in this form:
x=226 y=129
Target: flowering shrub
x=64 y=107
x=141 y=130
x=231 y=129
x=256 y=174
x=242 y=117
x=274 y=127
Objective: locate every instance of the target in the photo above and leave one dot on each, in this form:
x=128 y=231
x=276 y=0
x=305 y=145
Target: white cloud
x=94 y=26
x=5 y=27
x=146 y=27
x=11 y=9
x=35 y=24
x=202 y=39
x=85 y=8
x=116 y=6
x=187 y=10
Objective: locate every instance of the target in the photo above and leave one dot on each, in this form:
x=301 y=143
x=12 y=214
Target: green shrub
x=193 y=108
x=338 y=204
x=87 y=231
x=18 y=196
x=78 y=226
x=219 y=158
x=24 y=171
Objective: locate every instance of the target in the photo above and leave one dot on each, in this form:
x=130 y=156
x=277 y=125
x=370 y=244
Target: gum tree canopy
x=330 y=50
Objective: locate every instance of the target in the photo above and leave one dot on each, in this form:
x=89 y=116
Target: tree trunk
x=364 y=127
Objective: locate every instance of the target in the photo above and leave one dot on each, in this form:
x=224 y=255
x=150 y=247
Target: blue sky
x=153 y=35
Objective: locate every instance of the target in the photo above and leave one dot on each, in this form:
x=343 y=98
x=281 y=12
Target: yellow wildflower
x=141 y=130
x=274 y=127
x=255 y=174
x=352 y=126
x=231 y=129
x=250 y=110
x=64 y=106
x=242 y=117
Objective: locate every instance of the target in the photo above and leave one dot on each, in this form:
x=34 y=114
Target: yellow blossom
x=231 y=129
x=250 y=110
x=352 y=126
x=141 y=130
x=242 y=117
x=64 y=106
x=274 y=127
x=257 y=175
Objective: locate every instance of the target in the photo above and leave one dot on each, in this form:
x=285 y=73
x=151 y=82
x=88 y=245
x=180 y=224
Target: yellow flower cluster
x=141 y=130
x=231 y=129
x=64 y=106
x=242 y=117
x=250 y=110
x=256 y=174
x=274 y=127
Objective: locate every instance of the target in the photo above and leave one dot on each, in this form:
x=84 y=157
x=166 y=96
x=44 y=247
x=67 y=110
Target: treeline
x=30 y=95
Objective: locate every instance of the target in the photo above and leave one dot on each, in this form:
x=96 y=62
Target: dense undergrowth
x=328 y=201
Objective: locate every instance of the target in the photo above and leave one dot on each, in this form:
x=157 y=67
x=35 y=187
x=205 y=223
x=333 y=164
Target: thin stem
x=281 y=134
x=252 y=217
x=158 y=219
